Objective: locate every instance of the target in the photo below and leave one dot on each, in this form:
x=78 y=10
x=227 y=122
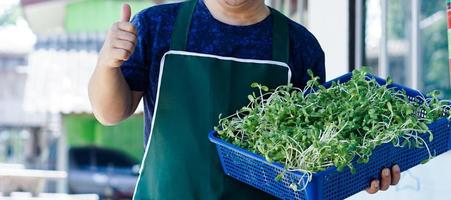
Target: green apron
x=179 y=161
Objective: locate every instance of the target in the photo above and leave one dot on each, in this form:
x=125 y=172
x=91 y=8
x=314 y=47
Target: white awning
x=58 y=81
x=58 y=74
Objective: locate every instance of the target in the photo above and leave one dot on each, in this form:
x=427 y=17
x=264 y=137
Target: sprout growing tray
x=254 y=170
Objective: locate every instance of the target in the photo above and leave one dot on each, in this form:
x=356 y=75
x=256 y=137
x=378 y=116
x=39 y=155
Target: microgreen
x=311 y=129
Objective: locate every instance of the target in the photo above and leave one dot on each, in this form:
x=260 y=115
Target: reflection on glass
x=372 y=34
x=433 y=43
x=399 y=28
x=434 y=47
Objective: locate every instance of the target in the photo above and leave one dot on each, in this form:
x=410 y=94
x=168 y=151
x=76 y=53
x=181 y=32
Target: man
x=229 y=33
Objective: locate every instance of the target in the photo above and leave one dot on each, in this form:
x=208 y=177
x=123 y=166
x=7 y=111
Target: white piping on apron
x=186 y=53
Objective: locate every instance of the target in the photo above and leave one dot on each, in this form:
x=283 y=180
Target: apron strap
x=182 y=24
x=280 y=37
x=280 y=40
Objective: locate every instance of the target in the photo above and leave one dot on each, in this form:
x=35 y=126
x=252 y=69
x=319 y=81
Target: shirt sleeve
x=319 y=67
x=136 y=69
x=305 y=53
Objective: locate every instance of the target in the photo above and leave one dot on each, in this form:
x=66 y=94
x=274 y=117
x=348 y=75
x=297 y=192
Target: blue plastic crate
x=254 y=170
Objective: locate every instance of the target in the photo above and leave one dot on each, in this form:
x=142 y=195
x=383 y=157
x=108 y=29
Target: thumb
x=126 y=13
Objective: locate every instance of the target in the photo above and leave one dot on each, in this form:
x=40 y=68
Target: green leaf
x=434 y=93
x=251 y=98
x=310 y=73
x=353 y=170
x=424 y=126
x=390 y=108
x=279 y=177
x=389 y=80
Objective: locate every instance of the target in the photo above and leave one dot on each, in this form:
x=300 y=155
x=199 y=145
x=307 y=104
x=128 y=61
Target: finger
x=126 y=13
x=396 y=174
x=374 y=187
x=121 y=54
x=126 y=26
x=386 y=179
x=125 y=45
x=127 y=36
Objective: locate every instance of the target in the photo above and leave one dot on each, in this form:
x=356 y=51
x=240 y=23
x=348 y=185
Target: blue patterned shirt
x=210 y=36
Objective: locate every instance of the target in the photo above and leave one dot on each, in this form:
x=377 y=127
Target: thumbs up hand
x=120 y=41
x=126 y=13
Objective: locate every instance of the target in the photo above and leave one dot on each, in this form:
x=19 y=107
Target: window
x=434 y=47
x=407 y=40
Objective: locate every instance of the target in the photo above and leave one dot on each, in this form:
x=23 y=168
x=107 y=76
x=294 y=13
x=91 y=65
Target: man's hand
x=119 y=42
x=111 y=98
x=389 y=177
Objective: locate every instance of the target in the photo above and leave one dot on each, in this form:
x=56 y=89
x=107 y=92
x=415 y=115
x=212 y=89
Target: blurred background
x=51 y=146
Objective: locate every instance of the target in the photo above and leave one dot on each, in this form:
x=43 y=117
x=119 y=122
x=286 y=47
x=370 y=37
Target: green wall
x=97 y=15
x=84 y=130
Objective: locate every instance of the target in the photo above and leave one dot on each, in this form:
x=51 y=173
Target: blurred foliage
x=397 y=16
x=433 y=41
x=434 y=51
x=10 y=15
x=429 y=7
x=399 y=13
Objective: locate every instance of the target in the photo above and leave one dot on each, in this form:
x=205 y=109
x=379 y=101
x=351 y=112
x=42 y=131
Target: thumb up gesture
x=120 y=41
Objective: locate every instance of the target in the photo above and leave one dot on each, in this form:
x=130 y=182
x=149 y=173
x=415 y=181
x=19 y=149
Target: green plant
x=314 y=128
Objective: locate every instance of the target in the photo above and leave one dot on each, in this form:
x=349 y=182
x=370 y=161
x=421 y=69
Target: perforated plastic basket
x=254 y=170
